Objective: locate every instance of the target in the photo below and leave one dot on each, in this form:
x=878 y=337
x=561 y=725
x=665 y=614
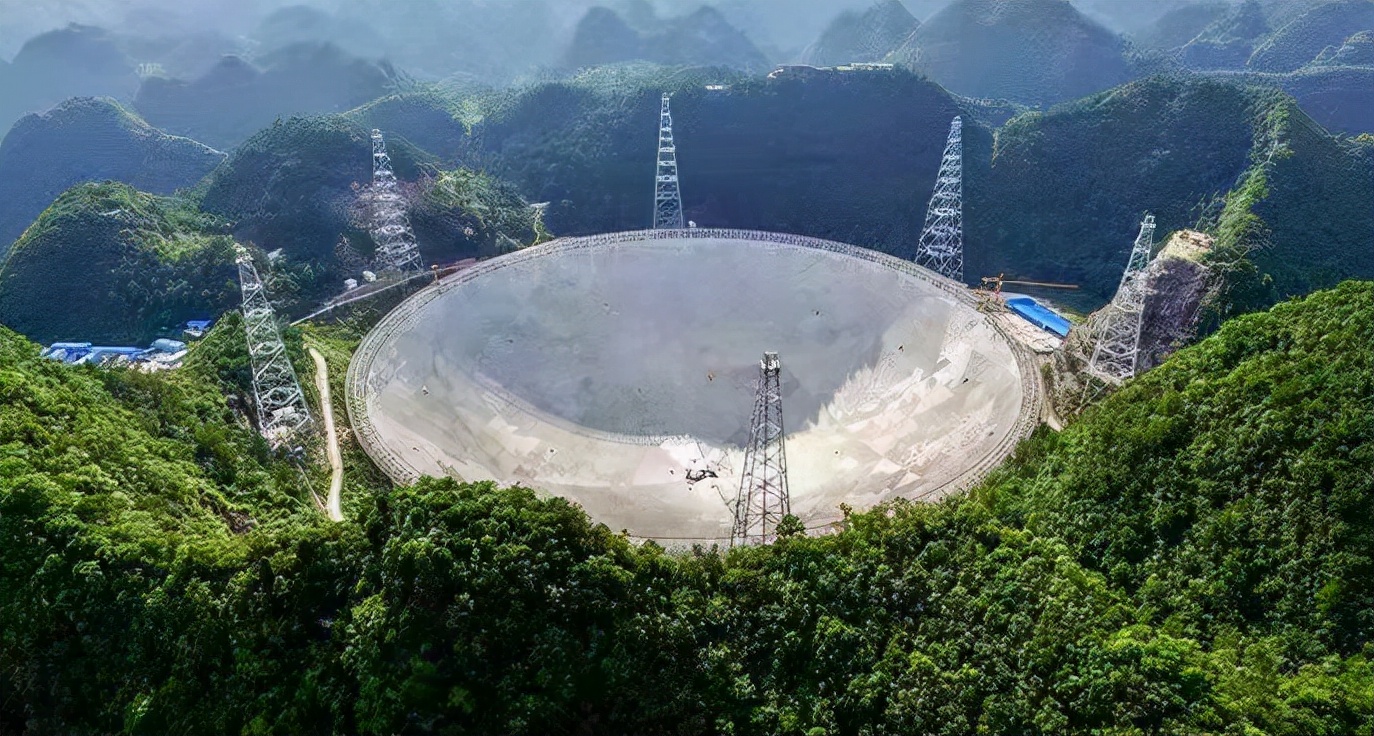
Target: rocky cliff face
x=1179 y=285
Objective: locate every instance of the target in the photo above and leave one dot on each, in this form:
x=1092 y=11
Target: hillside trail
x=334 y=504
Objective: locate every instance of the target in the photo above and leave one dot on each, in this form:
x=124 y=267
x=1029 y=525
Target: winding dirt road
x=334 y=504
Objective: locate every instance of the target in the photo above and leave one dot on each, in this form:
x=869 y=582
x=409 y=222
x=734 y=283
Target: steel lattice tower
x=763 y=498
x=1118 y=334
x=941 y=248
x=667 y=198
x=282 y=410
x=396 y=246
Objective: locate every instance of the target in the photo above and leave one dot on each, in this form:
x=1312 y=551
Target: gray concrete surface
x=605 y=372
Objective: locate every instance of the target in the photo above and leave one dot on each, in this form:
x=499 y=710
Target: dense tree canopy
x=106 y=263
x=1191 y=556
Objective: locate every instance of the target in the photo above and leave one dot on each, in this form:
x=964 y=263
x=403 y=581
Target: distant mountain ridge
x=75 y=61
x=1303 y=39
x=1177 y=27
x=1229 y=40
x=867 y=35
x=1030 y=51
x=703 y=38
x=86 y=139
x=1274 y=37
x=237 y=98
x=1358 y=50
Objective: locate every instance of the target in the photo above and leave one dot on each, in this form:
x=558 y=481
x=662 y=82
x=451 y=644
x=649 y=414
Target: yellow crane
x=994 y=283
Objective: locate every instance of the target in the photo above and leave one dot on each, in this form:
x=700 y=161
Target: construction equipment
x=995 y=283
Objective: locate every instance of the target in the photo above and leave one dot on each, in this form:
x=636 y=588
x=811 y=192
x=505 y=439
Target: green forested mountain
x=86 y=139
x=845 y=159
x=1180 y=25
x=1319 y=51
x=1193 y=556
x=430 y=119
x=1301 y=40
x=294 y=186
x=1162 y=145
x=1228 y=41
x=108 y=263
x=1173 y=148
x=135 y=265
x=1031 y=51
x=1191 y=493
x=854 y=157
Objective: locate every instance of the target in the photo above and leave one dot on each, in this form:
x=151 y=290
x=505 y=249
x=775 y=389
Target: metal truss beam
x=941 y=248
x=763 y=497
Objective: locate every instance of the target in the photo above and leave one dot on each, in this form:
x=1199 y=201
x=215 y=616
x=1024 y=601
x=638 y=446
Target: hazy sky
x=782 y=25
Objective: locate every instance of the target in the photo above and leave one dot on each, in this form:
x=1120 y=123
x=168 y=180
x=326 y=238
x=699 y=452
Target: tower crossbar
x=282 y=411
x=763 y=498
x=396 y=246
x=667 y=197
x=1118 y=332
x=941 y=247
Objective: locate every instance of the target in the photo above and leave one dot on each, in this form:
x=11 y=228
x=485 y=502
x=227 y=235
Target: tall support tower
x=1118 y=334
x=941 y=248
x=763 y=498
x=396 y=246
x=667 y=198
x=282 y=410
